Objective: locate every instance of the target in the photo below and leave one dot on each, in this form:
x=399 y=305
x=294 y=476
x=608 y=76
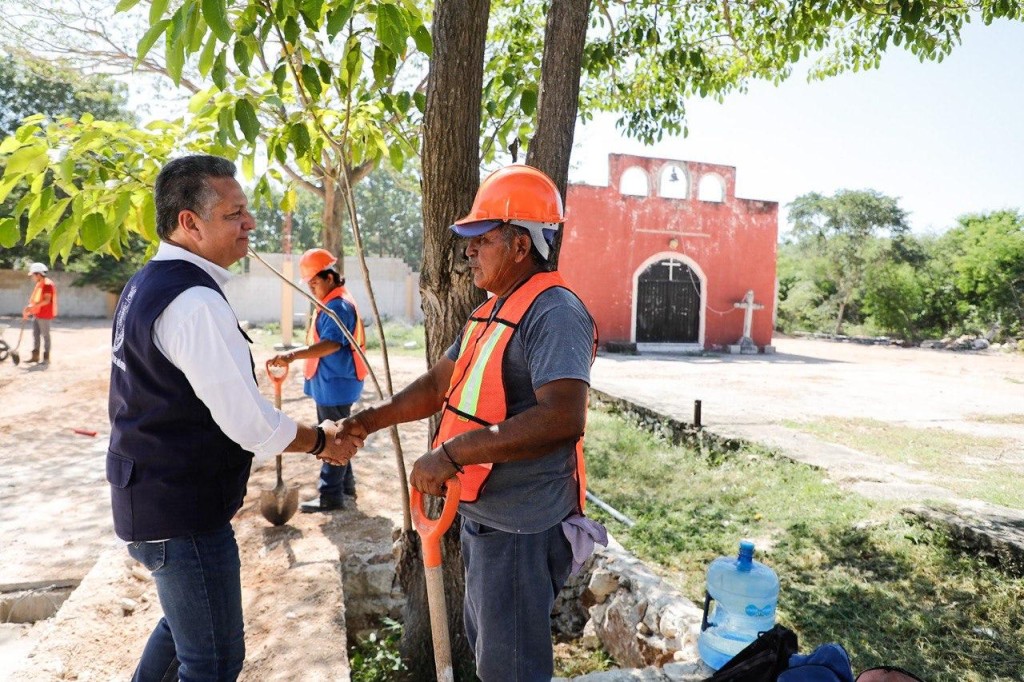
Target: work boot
x=46 y=357
x=34 y=358
x=322 y=504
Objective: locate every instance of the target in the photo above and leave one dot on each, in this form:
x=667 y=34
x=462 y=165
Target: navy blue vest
x=172 y=471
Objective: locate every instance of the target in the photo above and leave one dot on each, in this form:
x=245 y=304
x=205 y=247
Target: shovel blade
x=280 y=504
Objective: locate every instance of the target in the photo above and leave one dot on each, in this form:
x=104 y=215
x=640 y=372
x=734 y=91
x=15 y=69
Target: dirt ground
x=55 y=516
x=55 y=520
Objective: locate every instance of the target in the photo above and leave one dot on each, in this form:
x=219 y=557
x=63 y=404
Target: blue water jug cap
x=746 y=554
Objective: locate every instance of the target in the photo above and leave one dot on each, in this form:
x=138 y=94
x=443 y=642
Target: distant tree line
x=851 y=265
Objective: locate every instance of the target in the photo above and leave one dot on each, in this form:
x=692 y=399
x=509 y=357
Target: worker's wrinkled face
x=222 y=230
x=493 y=259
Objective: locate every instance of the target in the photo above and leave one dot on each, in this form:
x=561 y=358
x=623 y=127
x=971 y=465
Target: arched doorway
x=668 y=303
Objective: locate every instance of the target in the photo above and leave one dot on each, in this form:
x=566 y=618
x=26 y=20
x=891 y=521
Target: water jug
x=745 y=593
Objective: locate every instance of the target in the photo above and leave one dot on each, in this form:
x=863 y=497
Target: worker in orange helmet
x=333 y=368
x=512 y=393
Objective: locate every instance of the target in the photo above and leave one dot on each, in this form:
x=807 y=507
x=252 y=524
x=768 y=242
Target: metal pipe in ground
x=612 y=511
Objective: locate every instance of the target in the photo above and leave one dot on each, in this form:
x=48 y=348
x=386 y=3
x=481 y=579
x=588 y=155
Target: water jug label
x=763 y=612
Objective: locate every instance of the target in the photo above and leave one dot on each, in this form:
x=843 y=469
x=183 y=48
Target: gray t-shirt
x=554 y=341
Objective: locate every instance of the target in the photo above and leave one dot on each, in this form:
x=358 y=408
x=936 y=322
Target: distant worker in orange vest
x=333 y=368
x=41 y=308
x=512 y=391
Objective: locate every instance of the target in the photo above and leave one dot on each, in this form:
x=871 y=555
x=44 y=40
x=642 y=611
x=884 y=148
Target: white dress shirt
x=198 y=333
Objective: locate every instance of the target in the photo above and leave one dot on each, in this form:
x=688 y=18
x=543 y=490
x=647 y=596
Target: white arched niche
x=712 y=188
x=672 y=182
x=634 y=182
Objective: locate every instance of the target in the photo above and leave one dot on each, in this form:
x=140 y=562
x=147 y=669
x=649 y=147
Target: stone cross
x=749 y=307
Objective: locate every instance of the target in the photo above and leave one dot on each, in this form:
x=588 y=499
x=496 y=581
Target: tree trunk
x=558 y=97
x=333 y=217
x=451 y=175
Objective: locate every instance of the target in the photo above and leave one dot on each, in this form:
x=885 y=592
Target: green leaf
x=62 y=239
x=220 y=70
x=199 y=100
x=9 y=182
x=280 y=75
x=396 y=156
x=149 y=218
x=291 y=30
x=392 y=29
x=326 y=74
x=95 y=232
x=216 y=14
x=528 y=101
x=121 y=207
x=156 y=10
x=9 y=145
x=248 y=166
x=175 y=55
x=421 y=101
x=30 y=160
x=148 y=40
x=289 y=200
x=226 y=127
x=9 y=232
x=125 y=5
x=207 y=56
x=339 y=16
x=67 y=169
x=381 y=64
x=424 y=43
x=245 y=114
x=311 y=79
x=44 y=221
x=242 y=57
x=299 y=136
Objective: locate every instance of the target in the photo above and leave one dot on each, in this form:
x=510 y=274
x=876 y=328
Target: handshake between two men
x=345 y=437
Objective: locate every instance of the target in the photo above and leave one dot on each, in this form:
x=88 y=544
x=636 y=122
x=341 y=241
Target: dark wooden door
x=668 y=304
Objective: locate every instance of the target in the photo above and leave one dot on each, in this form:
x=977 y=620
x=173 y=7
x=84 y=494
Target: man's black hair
x=182 y=185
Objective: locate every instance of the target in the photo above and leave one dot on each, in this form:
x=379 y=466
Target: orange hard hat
x=516 y=192
x=314 y=262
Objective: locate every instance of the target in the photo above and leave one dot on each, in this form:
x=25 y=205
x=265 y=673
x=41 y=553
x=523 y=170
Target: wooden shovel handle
x=431 y=530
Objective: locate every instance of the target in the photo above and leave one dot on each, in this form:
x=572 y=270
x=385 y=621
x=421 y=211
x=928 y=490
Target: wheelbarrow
x=279 y=505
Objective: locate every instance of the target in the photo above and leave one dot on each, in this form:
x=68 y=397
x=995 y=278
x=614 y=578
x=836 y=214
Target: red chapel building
x=667 y=257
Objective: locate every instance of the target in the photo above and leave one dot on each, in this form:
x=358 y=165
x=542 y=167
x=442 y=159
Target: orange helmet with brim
x=314 y=262
x=517 y=194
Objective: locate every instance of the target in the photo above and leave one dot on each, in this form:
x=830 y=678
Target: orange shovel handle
x=431 y=530
x=278 y=381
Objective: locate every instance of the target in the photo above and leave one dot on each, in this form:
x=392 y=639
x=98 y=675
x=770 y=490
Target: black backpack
x=763 y=660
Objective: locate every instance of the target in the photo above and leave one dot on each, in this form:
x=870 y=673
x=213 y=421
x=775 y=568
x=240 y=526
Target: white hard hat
x=37 y=269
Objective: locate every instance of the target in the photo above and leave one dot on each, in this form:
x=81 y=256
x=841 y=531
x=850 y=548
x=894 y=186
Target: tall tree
x=843 y=231
x=988 y=267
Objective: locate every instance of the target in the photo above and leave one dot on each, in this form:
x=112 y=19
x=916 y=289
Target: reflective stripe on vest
x=358 y=334
x=476 y=395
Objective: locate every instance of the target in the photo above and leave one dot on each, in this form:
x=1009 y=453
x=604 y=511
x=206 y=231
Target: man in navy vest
x=187 y=420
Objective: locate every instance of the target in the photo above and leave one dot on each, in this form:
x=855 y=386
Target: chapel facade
x=667 y=257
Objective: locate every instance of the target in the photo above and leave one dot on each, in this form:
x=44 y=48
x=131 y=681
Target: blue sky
x=946 y=139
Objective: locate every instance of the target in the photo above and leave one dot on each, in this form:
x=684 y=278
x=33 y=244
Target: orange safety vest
x=358 y=334
x=49 y=311
x=476 y=395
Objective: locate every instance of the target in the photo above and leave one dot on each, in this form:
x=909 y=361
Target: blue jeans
x=512 y=580
x=335 y=481
x=199 y=584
